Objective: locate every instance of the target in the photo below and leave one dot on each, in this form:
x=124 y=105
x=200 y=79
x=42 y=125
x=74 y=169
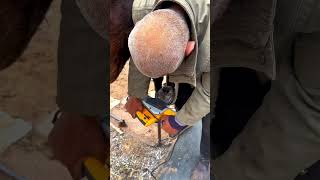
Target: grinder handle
x=169 y=112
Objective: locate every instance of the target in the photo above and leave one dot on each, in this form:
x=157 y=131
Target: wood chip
x=113 y=102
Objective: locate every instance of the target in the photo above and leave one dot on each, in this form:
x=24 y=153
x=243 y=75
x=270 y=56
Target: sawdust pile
x=131 y=159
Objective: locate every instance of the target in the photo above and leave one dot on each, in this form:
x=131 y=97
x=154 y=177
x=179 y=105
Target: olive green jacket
x=283 y=136
x=195 y=69
x=243 y=37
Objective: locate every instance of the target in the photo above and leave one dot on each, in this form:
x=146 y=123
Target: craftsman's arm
x=198 y=104
x=198 y=12
x=138 y=84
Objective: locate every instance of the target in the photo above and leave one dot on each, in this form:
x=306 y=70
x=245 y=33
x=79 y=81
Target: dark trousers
x=205 y=144
x=240 y=93
x=82 y=65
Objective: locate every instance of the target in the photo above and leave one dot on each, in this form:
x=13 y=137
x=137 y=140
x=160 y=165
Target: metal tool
x=153 y=111
x=93 y=169
x=122 y=122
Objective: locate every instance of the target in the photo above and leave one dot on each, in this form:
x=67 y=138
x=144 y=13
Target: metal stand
x=159 y=133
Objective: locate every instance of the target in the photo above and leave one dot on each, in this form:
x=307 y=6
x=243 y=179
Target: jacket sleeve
x=138 y=84
x=198 y=104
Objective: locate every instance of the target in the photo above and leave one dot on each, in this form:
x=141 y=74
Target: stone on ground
x=11 y=130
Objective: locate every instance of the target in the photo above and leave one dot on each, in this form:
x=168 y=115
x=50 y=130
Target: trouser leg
x=82 y=65
x=240 y=94
x=158 y=83
x=184 y=92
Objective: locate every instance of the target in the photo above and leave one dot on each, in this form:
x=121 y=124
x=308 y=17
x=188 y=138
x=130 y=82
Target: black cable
x=168 y=158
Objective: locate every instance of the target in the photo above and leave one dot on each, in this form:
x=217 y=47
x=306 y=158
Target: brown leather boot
x=75 y=137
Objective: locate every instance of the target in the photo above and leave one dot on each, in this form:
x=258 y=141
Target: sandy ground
x=28 y=87
x=28 y=90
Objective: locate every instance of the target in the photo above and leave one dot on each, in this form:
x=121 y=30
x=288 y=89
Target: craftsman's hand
x=171 y=125
x=74 y=138
x=133 y=105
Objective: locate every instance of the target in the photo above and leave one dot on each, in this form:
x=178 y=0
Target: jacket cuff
x=174 y=123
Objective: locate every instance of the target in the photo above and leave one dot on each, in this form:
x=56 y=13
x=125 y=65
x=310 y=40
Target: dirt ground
x=28 y=90
x=28 y=87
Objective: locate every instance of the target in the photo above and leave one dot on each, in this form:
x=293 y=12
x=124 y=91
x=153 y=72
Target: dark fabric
x=312 y=173
x=82 y=65
x=282 y=138
x=205 y=143
x=184 y=92
x=240 y=94
x=158 y=83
